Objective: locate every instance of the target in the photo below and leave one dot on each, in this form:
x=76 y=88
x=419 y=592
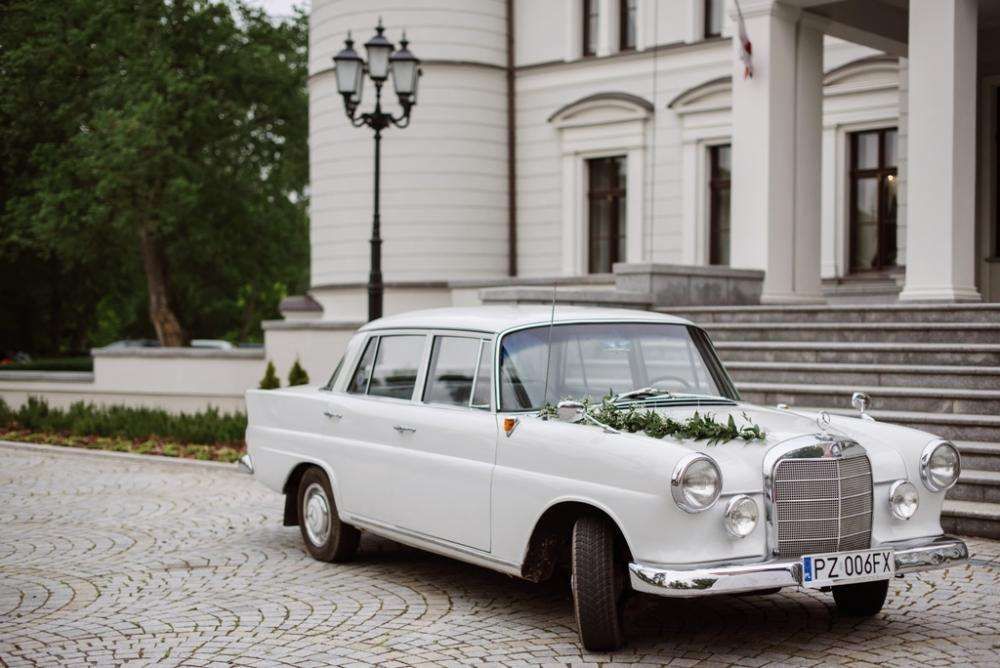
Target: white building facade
x=553 y=139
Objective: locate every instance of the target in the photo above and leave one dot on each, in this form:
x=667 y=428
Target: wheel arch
x=291 y=487
x=548 y=546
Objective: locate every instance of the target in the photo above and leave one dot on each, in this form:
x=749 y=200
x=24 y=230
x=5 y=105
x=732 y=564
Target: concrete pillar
x=777 y=150
x=941 y=188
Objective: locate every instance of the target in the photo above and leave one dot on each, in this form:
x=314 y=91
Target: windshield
x=594 y=359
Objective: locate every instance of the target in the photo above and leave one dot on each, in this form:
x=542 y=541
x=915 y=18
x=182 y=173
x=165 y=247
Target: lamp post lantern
x=351 y=69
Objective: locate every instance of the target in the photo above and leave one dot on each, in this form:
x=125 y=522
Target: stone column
x=777 y=128
x=941 y=188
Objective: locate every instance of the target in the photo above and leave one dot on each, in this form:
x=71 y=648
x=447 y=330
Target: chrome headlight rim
x=893 y=508
x=925 y=460
x=731 y=506
x=677 y=482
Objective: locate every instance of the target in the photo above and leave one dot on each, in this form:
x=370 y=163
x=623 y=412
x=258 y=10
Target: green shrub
x=270 y=380
x=208 y=426
x=297 y=375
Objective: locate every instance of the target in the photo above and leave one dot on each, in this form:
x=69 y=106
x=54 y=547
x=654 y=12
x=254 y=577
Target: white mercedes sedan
x=606 y=446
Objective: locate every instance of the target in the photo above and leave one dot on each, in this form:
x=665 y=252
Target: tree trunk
x=168 y=327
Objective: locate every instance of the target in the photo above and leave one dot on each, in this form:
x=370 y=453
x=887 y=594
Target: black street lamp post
x=351 y=70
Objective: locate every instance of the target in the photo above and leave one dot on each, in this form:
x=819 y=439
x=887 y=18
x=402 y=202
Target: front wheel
x=864 y=599
x=598 y=584
x=325 y=536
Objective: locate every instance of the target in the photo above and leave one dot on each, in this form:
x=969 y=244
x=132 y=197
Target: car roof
x=493 y=319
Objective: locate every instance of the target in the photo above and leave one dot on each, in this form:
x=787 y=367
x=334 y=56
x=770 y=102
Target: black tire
x=864 y=599
x=598 y=584
x=340 y=541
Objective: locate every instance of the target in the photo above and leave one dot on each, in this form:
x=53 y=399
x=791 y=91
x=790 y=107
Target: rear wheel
x=598 y=584
x=325 y=536
x=864 y=599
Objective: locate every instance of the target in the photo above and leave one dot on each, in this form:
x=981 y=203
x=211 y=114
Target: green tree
x=156 y=147
x=297 y=375
x=270 y=380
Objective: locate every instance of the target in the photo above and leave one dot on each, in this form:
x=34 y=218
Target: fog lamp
x=741 y=516
x=903 y=499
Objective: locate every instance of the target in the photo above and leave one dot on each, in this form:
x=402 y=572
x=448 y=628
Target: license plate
x=836 y=568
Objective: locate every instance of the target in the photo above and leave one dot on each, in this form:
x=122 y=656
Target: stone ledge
x=658 y=269
x=541 y=295
x=187 y=353
x=48 y=376
x=331 y=325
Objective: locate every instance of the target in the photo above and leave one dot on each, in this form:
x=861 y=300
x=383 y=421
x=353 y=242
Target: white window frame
x=598 y=129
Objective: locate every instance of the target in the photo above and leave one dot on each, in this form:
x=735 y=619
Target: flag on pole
x=746 y=48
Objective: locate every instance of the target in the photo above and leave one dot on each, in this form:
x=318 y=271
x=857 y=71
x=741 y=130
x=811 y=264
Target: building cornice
x=647 y=52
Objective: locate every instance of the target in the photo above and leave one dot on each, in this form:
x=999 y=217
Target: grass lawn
x=52 y=364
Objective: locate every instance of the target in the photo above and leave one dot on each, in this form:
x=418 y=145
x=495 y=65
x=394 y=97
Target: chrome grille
x=822 y=505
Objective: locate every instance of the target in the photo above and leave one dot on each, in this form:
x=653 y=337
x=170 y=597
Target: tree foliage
x=153 y=170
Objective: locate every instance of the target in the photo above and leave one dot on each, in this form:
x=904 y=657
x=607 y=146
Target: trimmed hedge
x=209 y=427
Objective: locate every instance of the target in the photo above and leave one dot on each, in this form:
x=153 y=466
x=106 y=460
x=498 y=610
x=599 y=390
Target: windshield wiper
x=645 y=393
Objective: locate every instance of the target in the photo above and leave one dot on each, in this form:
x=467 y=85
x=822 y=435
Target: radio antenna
x=548 y=353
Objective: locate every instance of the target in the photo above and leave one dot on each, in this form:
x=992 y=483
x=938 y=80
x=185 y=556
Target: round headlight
x=696 y=483
x=903 y=499
x=741 y=516
x=940 y=465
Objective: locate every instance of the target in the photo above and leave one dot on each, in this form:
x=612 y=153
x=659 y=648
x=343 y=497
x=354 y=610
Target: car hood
x=742 y=461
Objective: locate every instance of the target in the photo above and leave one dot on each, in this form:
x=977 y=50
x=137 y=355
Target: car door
x=450 y=437
x=372 y=472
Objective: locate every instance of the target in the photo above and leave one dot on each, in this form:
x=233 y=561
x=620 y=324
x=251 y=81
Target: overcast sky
x=279 y=8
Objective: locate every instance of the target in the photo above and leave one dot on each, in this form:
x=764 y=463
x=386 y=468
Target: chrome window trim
x=638 y=320
x=925 y=458
x=807 y=446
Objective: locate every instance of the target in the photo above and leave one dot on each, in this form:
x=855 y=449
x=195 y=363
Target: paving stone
x=122 y=562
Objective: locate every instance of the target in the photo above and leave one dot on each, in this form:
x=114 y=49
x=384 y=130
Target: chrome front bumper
x=912 y=556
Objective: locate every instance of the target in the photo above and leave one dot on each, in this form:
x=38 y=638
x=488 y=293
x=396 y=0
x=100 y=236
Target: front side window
x=388 y=367
x=363 y=374
x=720 y=163
x=606 y=198
x=452 y=370
x=594 y=359
x=713 y=18
x=626 y=24
x=481 y=393
x=590 y=21
x=874 y=243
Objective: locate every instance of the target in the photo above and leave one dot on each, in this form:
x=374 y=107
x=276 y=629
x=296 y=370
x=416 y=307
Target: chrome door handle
x=332 y=415
x=403 y=430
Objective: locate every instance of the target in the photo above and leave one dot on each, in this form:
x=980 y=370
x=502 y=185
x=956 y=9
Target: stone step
x=918 y=399
x=974 y=485
x=940 y=354
x=858 y=332
x=989 y=312
x=952 y=426
x=979 y=455
x=892 y=375
x=971 y=518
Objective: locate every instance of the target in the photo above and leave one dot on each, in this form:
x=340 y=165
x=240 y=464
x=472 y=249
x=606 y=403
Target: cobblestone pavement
x=106 y=560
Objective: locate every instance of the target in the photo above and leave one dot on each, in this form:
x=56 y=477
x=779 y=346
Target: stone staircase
x=932 y=367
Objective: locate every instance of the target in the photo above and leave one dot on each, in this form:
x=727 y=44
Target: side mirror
x=861 y=401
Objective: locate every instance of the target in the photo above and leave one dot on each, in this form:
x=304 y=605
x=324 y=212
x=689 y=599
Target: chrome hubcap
x=317 y=514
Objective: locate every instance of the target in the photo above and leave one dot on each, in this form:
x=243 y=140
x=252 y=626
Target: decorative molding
x=631 y=106
x=697 y=98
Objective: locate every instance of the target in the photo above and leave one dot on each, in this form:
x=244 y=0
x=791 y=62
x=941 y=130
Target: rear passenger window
x=452 y=370
x=396 y=363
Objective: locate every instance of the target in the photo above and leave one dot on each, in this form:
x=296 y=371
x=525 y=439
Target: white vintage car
x=439 y=429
